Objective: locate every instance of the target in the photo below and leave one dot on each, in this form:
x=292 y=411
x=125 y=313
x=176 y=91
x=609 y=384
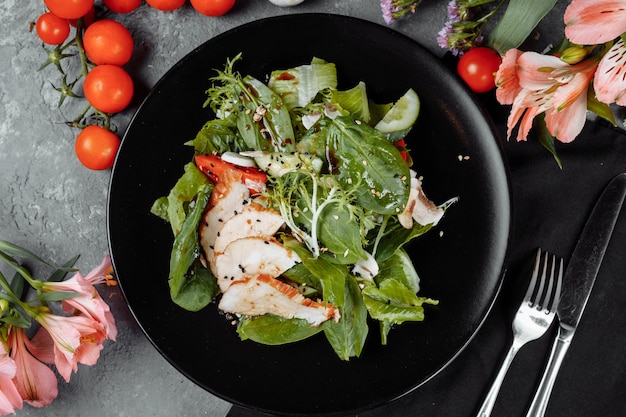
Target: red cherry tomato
x=52 y=29
x=108 y=42
x=212 y=7
x=477 y=67
x=166 y=5
x=122 y=6
x=88 y=19
x=69 y=9
x=108 y=88
x=96 y=147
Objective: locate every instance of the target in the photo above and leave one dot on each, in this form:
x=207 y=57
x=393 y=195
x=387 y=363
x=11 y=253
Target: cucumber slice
x=402 y=115
x=277 y=164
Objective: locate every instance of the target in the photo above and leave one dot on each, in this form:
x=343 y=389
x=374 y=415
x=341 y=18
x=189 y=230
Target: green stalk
x=519 y=20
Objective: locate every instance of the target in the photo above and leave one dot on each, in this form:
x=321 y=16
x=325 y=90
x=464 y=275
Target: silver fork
x=533 y=318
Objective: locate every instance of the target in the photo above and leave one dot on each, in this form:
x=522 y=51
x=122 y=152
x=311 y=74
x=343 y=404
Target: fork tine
x=545 y=301
x=533 y=279
x=539 y=296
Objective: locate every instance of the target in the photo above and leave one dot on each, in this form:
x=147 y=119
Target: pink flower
x=36 y=383
x=538 y=84
x=590 y=22
x=610 y=81
x=88 y=302
x=507 y=80
x=76 y=339
x=10 y=398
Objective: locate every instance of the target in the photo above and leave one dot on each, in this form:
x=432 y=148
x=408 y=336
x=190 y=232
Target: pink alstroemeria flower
x=610 y=80
x=544 y=84
x=10 y=398
x=591 y=22
x=36 y=382
x=88 y=302
x=76 y=339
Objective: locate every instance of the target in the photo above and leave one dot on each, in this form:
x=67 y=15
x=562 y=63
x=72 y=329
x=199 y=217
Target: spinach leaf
x=392 y=303
x=395 y=236
x=340 y=233
x=399 y=267
x=216 y=137
x=331 y=277
x=263 y=121
x=366 y=160
x=174 y=207
x=347 y=336
x=273 y=330
x=192 y=286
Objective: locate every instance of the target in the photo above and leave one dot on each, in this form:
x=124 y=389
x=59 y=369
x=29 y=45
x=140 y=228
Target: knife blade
x=578 y=281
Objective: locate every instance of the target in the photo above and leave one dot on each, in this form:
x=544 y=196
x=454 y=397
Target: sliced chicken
x=252 y=220
x=252 y=256
x=263 y=294
x=227 y=199
x=419 y=207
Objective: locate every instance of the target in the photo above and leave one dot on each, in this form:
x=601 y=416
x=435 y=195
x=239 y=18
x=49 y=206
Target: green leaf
x=519 y=20
x=340 y=234
x=184 y=191
x=395 y=236
x=192 y=286
x=401 y=268
x=60 y=274
x=273 y=330
x=331 y=276
x=16 y=321
x=298 y=86
x=216 y=137
x=545 y=138
x=601 y=109
x=56 y=295
x=369 y=162
x=355 y=101
x=16 y=251
x=347 y=337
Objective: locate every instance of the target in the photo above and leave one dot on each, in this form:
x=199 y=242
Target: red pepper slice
x=213 y=167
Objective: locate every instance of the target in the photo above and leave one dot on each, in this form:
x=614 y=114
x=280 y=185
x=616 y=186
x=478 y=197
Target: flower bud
x=573 y=55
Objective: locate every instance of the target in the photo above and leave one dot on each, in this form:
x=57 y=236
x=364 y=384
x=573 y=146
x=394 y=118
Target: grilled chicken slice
x=227 y=199
x=266 y=295
x=252 y=256
x=253 y=220
x=419 y=207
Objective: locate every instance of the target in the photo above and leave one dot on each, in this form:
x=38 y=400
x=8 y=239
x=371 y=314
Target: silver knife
x=578 y=282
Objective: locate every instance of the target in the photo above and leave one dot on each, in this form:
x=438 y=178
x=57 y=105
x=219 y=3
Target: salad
x=294 y=211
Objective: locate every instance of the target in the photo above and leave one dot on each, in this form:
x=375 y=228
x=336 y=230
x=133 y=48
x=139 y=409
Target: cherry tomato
x=108 y=88
x=69 y=9
x=213 y=167
x=96 y=147
x=88 y=19
x=166 y=5
x=52 y=29
x=122 y=6
x=477 y=68
x=108 y=42
x=212 y=7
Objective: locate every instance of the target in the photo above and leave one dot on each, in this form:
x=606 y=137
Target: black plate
x=461 y=262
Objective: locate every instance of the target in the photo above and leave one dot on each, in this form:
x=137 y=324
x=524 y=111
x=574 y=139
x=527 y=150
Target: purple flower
x=396 y=9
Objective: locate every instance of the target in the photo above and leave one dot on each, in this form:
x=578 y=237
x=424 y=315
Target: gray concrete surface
x=52 y=205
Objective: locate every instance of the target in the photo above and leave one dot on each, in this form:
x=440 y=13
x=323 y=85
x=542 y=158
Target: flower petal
x=565 y=125
x=506 y=78
x=590 y=22
x=535 y=70
x=610 y=81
